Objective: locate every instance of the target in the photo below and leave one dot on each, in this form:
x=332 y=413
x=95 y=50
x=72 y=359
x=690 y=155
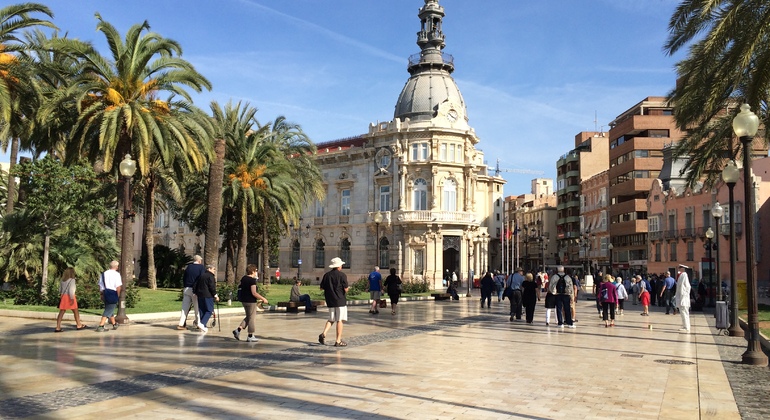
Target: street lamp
x=377 y=220
x=730 y=175
x=745 y=125
x=127 y=168
x=717 y=212
x=585 y=243
x=609 y=248
x=709 y=241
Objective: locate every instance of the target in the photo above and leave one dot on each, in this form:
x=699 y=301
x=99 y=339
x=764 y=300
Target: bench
x=294 y=306
x=441 y=296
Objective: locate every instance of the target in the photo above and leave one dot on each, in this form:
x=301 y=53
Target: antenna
x=498 y=169
x=596 y=121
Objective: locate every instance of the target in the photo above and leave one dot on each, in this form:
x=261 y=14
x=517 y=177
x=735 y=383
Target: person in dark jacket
x=487 y=287
x=206 y=290
x=530 y=295
x=393 y=286
x=191 y=273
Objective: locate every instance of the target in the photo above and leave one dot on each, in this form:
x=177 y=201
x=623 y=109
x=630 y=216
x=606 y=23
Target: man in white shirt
x=683 y=298
x=110 y=285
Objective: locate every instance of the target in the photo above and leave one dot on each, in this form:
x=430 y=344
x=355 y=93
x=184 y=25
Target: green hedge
x=87 y=294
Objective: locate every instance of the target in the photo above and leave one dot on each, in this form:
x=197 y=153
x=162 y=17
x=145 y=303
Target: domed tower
x=430 y=91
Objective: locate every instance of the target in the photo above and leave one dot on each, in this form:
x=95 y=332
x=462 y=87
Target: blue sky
x=533 y=73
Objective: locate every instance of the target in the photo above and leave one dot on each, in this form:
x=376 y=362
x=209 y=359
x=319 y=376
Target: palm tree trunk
x=243 y=241
x=12 y=179
x=149 y=224
x=216 y=177
x=230 y=243
x=44 y=280
x=265 y=249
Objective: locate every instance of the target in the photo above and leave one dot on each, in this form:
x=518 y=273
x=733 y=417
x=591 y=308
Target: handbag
x=110 y=296
x=383 y=303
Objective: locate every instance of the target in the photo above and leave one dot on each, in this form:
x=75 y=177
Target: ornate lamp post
x=717 y=212
x=585 y=244
x=609 y=248
x=377 y=220
x=730 y=175
x=745 y=125
x=127 y=169
x=709 y=242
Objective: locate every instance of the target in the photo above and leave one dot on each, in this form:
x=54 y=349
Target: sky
x=533 y=73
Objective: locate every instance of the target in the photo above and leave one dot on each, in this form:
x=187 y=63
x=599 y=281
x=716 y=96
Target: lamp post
x=730 y=175
x=585 y=244
x=745 y=125
x=377 y=220
x=717 y=212
x=299 y=253
x=709 y=241
x=127 y=169
x=609 y=248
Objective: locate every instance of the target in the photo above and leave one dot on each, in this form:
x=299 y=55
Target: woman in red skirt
x=68 y=301
x=644 y=296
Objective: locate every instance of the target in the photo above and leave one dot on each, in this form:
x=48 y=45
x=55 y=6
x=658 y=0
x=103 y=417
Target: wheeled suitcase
x=722 y=317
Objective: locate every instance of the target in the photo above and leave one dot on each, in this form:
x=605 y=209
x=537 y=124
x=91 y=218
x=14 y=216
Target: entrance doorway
x=451 y=257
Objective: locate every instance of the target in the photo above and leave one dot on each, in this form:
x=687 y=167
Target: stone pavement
x=436 y=360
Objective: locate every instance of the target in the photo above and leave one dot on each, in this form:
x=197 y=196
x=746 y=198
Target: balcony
x=687 y=233
x=724 y=229
x=656 y=236
x=671 y=234
x=437 y=217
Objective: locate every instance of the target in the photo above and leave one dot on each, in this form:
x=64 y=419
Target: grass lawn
x=166 y=300
x=764 y=318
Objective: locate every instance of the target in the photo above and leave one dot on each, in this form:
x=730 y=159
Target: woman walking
x=644 y=296
x=608 y=294
x=67 y=300
x=249 y=298
x=622 y=294
x=393 y=285
x=530 y=295
x=550 y=304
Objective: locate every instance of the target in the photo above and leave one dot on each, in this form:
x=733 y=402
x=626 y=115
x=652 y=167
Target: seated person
x=452 y=290
x=297 y=297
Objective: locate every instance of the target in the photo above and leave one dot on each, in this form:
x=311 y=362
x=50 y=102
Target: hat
x=336 y=262
x=519 y=269
x=684 y=266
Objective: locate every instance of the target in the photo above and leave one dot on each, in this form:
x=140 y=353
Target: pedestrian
x=561 y=287
x=375 y=289
x=191 y=273
x=574 y=299
x=487 y=287
x=683 y=298
x=622 y=295
x=634 y=290
x=644 y=296
x=110 y=286
x=667 y=293
x=608 y=293
x=67 y=299
x=530 y=294
x=205 y=289
x=393 y=284
x=515 y=281
x=296 y=296
x=550 y=303
x=335 y=287
x=249 y=298
x=653 y=283
x=499 y=284
x=597 y=285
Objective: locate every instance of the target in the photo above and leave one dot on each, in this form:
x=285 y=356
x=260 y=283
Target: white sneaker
x=571 y=326
x=202 y=327
x=252 y=339
x=237 y=334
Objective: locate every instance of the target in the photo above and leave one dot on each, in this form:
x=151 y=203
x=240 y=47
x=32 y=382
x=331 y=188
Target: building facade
x=412 y=193
x=533 y=231
x=594 y=223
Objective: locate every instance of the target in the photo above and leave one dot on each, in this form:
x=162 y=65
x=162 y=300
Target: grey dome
x=424 y=92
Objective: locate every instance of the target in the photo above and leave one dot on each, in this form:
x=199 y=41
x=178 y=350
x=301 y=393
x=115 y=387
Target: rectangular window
x=451 y=152
x=654 y=224
x=442 y=152
x=345 y=203
x=657 y=251
x=690 y=251
x=319 y=208
x=672 y=253
x=424 y=151
x=419 y=261
x=384 y=198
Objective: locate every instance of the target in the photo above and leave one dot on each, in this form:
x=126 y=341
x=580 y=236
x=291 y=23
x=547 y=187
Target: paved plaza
x=433 y=360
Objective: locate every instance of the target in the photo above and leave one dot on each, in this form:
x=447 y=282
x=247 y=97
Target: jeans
x=206 y=308
x=308 y=303
x=516 y=304
x=668 y=296
x=499 y=290
x=188 y=300
x=563 y=312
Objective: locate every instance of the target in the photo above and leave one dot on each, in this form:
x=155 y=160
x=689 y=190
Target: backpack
x=647 y=286
x=605 y=294
x=561 y=286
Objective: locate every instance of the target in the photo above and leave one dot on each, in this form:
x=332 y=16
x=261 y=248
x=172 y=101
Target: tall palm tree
x=16 y=73
x=128 y=103
x=728 y=63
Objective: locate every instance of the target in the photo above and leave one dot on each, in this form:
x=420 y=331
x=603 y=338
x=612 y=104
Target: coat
x=683 y=287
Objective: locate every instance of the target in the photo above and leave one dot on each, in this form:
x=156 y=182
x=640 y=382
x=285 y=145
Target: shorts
x=375 y=294
x=645 y=298
x=339 y=313
x=109 y=310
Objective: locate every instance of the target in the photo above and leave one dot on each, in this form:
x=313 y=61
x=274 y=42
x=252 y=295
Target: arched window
x=295 y=254
x=320 y=254
x=384 y=257
x=420 y=195
x=450 y=195
x=345 y=252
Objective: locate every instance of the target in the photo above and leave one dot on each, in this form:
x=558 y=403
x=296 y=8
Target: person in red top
x=608 y=294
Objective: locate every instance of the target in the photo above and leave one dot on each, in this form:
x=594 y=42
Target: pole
x=719 y=274
x=735 y=329
x=299 y=251
x=125 y=251
x=377 y=240
x=711 y=273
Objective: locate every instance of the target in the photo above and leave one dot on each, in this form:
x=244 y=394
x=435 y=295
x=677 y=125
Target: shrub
x=360 y=286
x=415 y=287
x=87 y=294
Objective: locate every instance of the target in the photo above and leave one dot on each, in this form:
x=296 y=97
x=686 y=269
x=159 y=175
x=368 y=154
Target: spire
x=431 y=41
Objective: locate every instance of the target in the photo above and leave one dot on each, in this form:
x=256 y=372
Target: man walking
x=375 y=289
x=561 y=287
x=110 y=285
x=191 y=273
x=206 y=290
x=499 y=284
x=667 y=294
x=683 y=298
x=514 y=283
x=335 y=287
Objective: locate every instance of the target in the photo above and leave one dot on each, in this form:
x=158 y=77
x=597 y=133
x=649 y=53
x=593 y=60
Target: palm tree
x=16 y=89
x=726 y=66
x=121 y=110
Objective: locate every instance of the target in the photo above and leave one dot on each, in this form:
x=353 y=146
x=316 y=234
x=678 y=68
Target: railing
x=437 y=216
x=656 y=236
x=671 y=234
x=687 y=233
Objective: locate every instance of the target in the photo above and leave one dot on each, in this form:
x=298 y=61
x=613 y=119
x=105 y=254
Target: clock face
x=452 y=115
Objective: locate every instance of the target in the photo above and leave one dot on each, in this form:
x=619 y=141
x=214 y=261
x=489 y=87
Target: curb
x=763 y=341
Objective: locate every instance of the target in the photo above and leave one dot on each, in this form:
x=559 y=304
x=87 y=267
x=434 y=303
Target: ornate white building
x=413 y=193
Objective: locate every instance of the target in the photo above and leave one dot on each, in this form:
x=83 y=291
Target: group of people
x=392 y=286
x=110 y=287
